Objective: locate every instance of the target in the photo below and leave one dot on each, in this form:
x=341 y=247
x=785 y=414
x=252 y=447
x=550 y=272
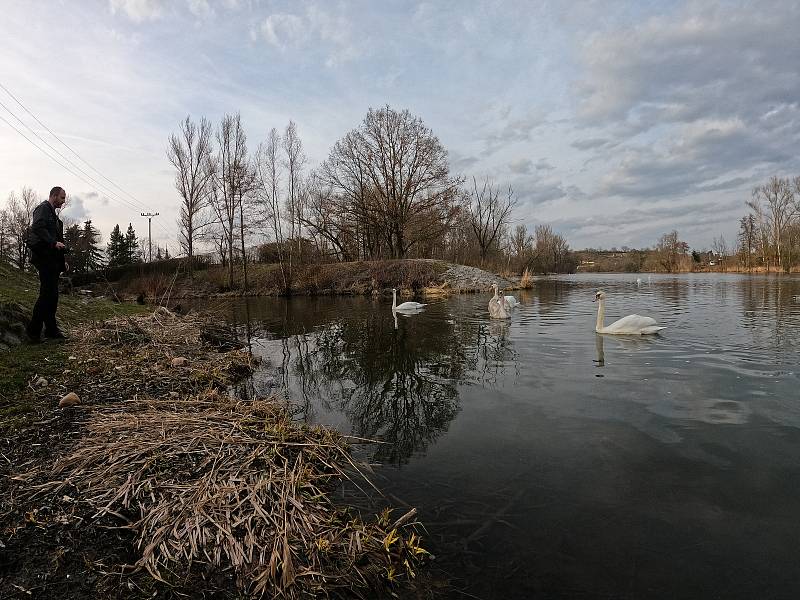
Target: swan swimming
x=498 y=309
x=405 y=306
x=630 y=325
x=638 y=281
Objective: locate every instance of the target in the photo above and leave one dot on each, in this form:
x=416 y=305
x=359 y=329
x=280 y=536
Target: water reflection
x=394 y=377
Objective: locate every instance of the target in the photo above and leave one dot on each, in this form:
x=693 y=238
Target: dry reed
x=211 y=484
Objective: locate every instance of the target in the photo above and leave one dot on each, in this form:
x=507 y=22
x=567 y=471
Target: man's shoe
x=55 y=335
x=33 y=338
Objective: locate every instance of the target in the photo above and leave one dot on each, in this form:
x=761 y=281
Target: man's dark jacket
x=46 y=229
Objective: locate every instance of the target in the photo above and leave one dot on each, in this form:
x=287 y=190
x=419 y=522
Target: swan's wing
x=409 y=306
x=630 y=324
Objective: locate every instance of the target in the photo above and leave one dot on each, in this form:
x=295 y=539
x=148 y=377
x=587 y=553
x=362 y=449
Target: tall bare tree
x=747 y=239
x=232 y=182
x=489 y=214
x=190 y=153
x=268 y=179
x=776 y=201
x=294 y=160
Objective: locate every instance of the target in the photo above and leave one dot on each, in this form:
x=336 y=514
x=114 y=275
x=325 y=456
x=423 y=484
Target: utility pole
x=150 y=234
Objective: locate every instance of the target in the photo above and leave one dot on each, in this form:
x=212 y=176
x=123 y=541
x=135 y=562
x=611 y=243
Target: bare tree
x=776 y=195
x=747 y=239
x=5 y=236
x=392 y=175
x=232 y=181
x=190 y=152
x=670 y=249
x=720 y=248
x=489 y=214
x=20 y=209
x=294 y=161
x=268 y=174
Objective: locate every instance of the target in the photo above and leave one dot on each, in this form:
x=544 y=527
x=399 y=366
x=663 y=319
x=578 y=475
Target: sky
x=613 y=122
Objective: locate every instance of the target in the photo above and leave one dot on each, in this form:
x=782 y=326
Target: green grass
x=19 y=364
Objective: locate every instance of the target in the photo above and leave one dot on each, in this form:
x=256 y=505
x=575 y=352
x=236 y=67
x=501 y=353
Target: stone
x=179 y=361
x=70 y=399
x=40 y=382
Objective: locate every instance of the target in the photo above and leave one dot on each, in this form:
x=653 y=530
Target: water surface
x=550 y=462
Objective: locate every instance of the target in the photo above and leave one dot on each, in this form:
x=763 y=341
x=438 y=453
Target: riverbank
x=158 y=482
x=412 y=278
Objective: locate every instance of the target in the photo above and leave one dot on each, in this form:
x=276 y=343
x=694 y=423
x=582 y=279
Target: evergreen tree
x=72 y=240
x=90 y=237
x=116 y=249
x=158 y=253
x=131 y=246
x=166 y=253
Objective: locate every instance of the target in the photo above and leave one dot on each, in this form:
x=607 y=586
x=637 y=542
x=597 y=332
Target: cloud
x=137 y=10
x=200 y=8
x=513 y=130
x=286 y=31
x=76 y=208
x=590 y=143
x=713 y=60
x=694 y=159
x=521 y=165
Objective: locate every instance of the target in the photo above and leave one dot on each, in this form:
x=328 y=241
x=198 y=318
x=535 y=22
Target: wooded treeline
x=385 y=191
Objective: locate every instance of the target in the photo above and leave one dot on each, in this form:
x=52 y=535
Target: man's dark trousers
x=44 y=311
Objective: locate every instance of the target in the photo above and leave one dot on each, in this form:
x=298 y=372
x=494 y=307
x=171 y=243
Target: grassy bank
x=351 y=278
x=21 y=364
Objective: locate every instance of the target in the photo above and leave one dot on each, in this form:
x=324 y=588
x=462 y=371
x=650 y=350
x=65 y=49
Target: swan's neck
x=394 y=298
x=496 y=295
x=601 y=313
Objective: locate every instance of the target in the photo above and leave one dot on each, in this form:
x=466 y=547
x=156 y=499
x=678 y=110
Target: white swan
x=638 y=281
x=405 y=306
x=630 y=325
x=497 y=306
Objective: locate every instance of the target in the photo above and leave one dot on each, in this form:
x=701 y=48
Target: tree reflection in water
x=396 y=385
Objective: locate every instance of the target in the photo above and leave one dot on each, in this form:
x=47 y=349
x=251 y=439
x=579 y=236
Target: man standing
x=46 y=241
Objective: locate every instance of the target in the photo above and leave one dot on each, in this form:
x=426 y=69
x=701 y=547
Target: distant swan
x=405 y=306
x=630 y=325
x=498 y=308
x=638 y=281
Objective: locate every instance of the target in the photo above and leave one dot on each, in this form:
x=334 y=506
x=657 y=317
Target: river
x=551 y=462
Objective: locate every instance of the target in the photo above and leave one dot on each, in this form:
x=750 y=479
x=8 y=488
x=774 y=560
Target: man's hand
x=60 y=246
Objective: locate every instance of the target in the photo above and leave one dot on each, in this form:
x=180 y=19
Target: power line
x=43 y=151
x=25 y=108
x=93 y=182
x=128 y=205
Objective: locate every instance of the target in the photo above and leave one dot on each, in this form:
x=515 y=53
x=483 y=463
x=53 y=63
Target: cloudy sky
x=613 y=121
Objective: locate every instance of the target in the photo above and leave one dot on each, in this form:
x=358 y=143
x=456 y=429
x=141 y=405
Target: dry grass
x=210 y=484
x=526 y=281
x=215 y=491
x=125 y=357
